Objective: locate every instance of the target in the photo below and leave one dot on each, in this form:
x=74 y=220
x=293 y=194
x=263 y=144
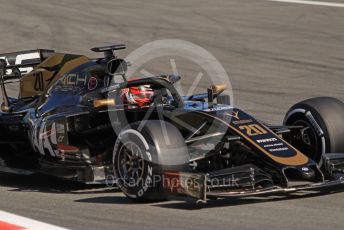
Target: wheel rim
x=130 y=164
x=307 y=139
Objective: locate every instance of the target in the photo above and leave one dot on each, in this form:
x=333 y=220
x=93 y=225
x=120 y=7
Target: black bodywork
x=67 y=130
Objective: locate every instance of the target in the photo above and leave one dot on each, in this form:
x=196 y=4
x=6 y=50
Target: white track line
x=26 y=223
x=315 y=3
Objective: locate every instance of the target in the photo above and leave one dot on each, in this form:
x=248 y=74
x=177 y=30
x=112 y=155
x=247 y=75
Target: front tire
x=323 y=122
x=142 y=154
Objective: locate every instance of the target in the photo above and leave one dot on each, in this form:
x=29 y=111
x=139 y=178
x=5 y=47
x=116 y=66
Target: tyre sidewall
x=150 y=181
x=303 y=112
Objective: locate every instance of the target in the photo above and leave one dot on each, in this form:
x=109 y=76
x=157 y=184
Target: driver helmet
x=141 y=95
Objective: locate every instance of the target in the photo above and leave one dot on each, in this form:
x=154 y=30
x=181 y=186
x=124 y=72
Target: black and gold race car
x=70 y=121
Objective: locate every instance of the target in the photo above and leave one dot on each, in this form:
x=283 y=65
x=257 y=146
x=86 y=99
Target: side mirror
x=214 y=91
x=218 y=89
x=117 y=67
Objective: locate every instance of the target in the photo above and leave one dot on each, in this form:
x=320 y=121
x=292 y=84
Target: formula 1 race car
x=82 y=119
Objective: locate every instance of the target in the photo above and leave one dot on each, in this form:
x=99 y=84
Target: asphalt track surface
x=275 y=53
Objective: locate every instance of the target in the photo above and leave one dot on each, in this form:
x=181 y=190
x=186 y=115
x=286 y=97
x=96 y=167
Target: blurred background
x=275 y=53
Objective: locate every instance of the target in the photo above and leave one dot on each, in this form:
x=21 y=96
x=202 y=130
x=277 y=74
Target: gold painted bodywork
x=51 y=70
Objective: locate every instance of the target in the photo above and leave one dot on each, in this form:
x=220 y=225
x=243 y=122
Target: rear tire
x=142 y=154
x=323 y=119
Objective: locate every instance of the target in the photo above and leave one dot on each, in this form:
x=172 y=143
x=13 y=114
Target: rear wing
x=25 y=60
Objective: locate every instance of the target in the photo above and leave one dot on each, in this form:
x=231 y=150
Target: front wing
x=195 y=186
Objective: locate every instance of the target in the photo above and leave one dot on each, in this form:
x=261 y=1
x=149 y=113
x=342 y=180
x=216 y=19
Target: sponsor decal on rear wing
x=25 y=60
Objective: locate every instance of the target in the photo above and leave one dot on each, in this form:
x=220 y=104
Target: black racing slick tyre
x=323 y=122
x=142 y=152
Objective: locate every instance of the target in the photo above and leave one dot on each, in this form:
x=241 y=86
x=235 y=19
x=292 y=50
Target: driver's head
x=141 y=95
